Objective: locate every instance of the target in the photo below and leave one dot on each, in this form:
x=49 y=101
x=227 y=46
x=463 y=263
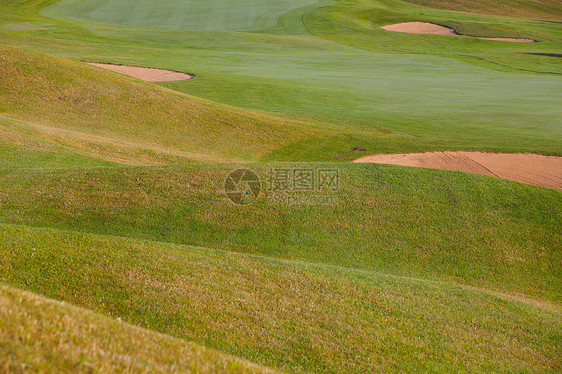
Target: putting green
x=180 y=14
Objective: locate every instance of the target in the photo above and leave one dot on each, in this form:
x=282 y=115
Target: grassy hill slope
x=21 y=147
x=405 y=270
x=127 y=120
x=42 y=335
x=288 y=315
x=537 y=9
x=359 y=25
x=383 y=91
x=441 y=225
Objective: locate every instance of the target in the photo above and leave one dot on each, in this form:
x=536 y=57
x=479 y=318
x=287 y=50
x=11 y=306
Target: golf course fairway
x=178 y=191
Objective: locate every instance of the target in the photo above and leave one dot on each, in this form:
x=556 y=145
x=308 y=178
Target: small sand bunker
x=146 y=74
x=513 y=40
x=537 y=170
x=430 y=28
x=420 y=28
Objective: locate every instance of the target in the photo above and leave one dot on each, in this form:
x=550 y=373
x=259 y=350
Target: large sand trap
x=538 y=170
x=430 y=28
x=146 y=74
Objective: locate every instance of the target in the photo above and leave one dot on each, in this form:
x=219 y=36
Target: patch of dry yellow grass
x=43 y=335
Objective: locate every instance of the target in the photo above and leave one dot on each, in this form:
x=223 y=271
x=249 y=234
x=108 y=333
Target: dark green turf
x=451 y=226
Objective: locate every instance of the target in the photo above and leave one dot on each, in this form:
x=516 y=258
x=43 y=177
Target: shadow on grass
x=559 y=55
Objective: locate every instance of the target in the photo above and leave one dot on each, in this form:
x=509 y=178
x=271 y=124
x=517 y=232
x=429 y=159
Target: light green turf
x=288 y=315
x=394 y=92
x=422 y=102
x=40 y=335
x=224 y=15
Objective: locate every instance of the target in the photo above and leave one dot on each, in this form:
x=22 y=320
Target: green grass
x=541 y=9
x=224 y=15
x=359 y=26
x=389 y=92
x=121 y=119
x=287 y=315
x=25 y=149
x=111 y=189
x=440 y=225
x=40 y=335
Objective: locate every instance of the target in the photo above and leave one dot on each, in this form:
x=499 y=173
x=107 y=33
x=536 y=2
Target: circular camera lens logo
x=242 y=186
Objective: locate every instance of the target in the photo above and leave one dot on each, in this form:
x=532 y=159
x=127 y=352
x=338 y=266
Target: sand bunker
x=146 y=74
x=420 y=28
x=537 y=170
x=430 y=28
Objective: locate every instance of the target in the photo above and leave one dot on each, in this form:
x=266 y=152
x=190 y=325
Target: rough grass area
x=126 y=120
x=442 y=225
x=112 y=189
x=288 y=315
x=22 y=147
x=40 y=335
x=537 y=9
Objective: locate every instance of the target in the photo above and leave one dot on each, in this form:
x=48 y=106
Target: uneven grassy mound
x=125 y=120
x=22 y=146
x=440 y=225
x=366 y=86
x=538 y=9
x=43 y=335
x=405 y=270
x=287 y=315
